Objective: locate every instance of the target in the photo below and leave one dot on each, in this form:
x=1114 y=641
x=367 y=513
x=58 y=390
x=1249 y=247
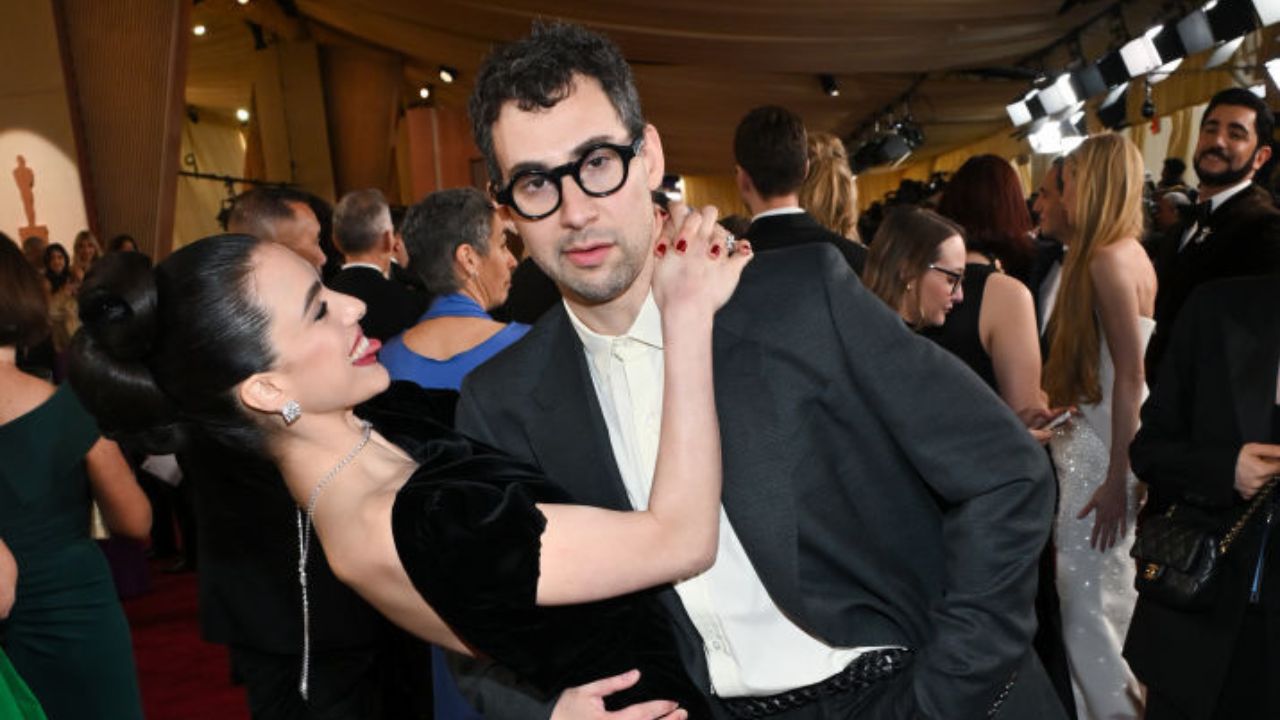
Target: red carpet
x=182 y=677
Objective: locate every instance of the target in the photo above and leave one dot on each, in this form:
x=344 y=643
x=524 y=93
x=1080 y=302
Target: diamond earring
x=291 y=412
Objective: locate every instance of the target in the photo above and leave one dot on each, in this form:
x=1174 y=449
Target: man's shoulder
x=513 y=364
x=356 y=277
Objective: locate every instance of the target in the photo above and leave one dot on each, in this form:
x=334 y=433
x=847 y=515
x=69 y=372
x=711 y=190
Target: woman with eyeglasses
x=1098 y=334
x=919 y=265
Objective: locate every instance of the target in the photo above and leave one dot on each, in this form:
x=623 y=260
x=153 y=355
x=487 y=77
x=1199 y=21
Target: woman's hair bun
x=118 y=306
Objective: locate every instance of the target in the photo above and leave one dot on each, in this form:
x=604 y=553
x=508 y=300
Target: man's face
x=1227 y=150
x=301 y=234
x=594 y=248
x=1166 y=213
x=1050 y=208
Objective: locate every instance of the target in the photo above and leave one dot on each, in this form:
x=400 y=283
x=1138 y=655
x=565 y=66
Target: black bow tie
x=1202 y=213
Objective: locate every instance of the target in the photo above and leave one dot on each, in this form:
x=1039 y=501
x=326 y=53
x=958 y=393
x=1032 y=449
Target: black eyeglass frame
x=956 y=277
x=626 y=153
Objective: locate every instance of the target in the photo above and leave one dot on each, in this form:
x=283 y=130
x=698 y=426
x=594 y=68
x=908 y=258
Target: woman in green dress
x=66 y=634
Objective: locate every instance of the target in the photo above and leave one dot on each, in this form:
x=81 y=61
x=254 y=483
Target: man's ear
x=1262 y=156
x=464 y=258
x=743 y=181
x=263 y=392
x=654 y=162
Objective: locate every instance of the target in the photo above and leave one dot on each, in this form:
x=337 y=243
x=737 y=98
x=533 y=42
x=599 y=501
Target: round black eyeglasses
x=600 y=172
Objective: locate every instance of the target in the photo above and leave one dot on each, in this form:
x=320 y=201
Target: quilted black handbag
x=1180 y=554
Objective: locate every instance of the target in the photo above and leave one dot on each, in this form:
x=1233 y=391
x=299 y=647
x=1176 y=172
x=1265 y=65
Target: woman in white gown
x=1098 y=335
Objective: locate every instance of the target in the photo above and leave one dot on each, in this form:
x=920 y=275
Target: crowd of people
x=797 y=465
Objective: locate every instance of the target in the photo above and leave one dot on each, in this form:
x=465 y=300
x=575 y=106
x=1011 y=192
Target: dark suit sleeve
x=1163 y=452
x=493 y=690
x=992 y=481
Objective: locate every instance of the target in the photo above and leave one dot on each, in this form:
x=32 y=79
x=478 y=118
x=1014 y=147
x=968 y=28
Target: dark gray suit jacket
x=883 y=493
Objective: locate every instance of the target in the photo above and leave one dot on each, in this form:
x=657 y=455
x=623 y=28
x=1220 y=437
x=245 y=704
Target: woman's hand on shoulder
x=586 y=702
x=694 y=271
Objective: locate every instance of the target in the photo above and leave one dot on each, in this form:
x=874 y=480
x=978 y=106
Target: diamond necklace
x=304 y=545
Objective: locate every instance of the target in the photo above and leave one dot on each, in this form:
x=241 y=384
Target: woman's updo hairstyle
x=160 y=352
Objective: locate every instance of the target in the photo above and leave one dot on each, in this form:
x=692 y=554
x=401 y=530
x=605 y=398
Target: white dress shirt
x=1215 y=202
x=793 y=210
x=1049 y=292
x=751 y=648
x=371 y=266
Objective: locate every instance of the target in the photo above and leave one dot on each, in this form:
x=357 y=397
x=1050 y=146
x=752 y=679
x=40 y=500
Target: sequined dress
x=1096 y=588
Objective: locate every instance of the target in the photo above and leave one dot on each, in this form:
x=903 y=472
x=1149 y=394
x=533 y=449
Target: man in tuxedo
x=1050 y=247
x=769 y=147
x=882 y=509
x=280 y=215
x=1236 y=230
x=1209 y=441
x=363 y=232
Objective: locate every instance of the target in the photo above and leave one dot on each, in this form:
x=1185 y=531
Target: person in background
x=916 y=265
x=282 y=216
x=985 y=198
x=1209 y=442
x=122 y=243
x=770 y=150
x=1171 y=173
x=367 y=239
x=1101 y=323
x=66 y=634
x=829 y=192
x=85 y=251
x=458 y=245
x=33 y=248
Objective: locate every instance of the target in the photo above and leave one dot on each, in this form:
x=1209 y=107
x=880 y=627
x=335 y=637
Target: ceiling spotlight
x=242 y=2
x=829 y=85
x=1019 y=113
x=448 y=74
x=242 y=115
x=199 y=30
x=424 y=92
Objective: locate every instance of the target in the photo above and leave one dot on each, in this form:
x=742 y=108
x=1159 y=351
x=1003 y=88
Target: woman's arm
x=1116 y=292
x=124 y=506
x=8 y=580
x=589 y=553
x=1007 y=328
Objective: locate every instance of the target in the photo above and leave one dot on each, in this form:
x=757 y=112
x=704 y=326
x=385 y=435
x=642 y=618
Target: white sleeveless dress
x=1096 y=589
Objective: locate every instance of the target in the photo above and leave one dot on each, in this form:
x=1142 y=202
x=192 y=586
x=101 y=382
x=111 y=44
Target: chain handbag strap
x=1258 y=500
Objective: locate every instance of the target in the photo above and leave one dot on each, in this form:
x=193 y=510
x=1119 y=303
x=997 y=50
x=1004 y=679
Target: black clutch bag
x=1180 y=554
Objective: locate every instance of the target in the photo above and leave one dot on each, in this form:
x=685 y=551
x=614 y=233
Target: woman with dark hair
x=122 y=243
x=66 y=633
x=57 y=267
x=985 y=198
x=62 y=285
x=237 y=340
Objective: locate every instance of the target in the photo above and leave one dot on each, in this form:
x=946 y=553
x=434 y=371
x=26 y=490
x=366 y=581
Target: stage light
x=1088 y=80
x=1222 y=53
x=242 y=115
x=448 y=74
x=199 y=30
x=1059 y=96
x=1018 y=112
x=424 y=92
x=1140 y=56
x=1112 y=68
x=1163 y=72
x=1168 y=43
x=1268 y=11
x=242 y=2
x=1273 y=70
x=829 y=85
x=1194 y=32
x=1230 y=19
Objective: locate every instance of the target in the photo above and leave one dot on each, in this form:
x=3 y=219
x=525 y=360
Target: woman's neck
x=8 y=356
x=310 y=450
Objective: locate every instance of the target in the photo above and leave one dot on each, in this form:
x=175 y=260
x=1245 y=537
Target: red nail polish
x=715 y=251
x=661 y=249
x=681 y=245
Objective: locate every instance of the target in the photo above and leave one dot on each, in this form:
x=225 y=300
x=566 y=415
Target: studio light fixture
x=1088 y=81
x=1058 y=96
x=1019 y=113
x=1222 y=53
x=1273 y=71
x=242 y=115
x=242 y=2
x=424 y=92
x=1268 y=11
x=199 y=30
x=829 y=85
x=448 y=74
x=1194 y=32
x=1140 y=56
x=1230 y=19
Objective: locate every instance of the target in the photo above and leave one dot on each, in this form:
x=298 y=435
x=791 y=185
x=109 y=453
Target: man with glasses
x=882 y=511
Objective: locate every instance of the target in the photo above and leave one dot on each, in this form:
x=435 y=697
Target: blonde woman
x=86 y=252
x=829 y=192
x=1099 y=332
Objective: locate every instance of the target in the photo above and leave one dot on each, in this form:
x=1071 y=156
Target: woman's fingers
x=649 y=711
x=611 y=684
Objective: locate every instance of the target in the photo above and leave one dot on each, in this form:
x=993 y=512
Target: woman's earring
x=291 y=412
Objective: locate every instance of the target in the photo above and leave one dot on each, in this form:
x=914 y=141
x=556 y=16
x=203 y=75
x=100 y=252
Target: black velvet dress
x=469 y=534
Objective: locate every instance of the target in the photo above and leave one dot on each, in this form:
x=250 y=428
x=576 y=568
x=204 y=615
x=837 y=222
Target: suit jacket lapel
x=569 y=437
x=1253 y=352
